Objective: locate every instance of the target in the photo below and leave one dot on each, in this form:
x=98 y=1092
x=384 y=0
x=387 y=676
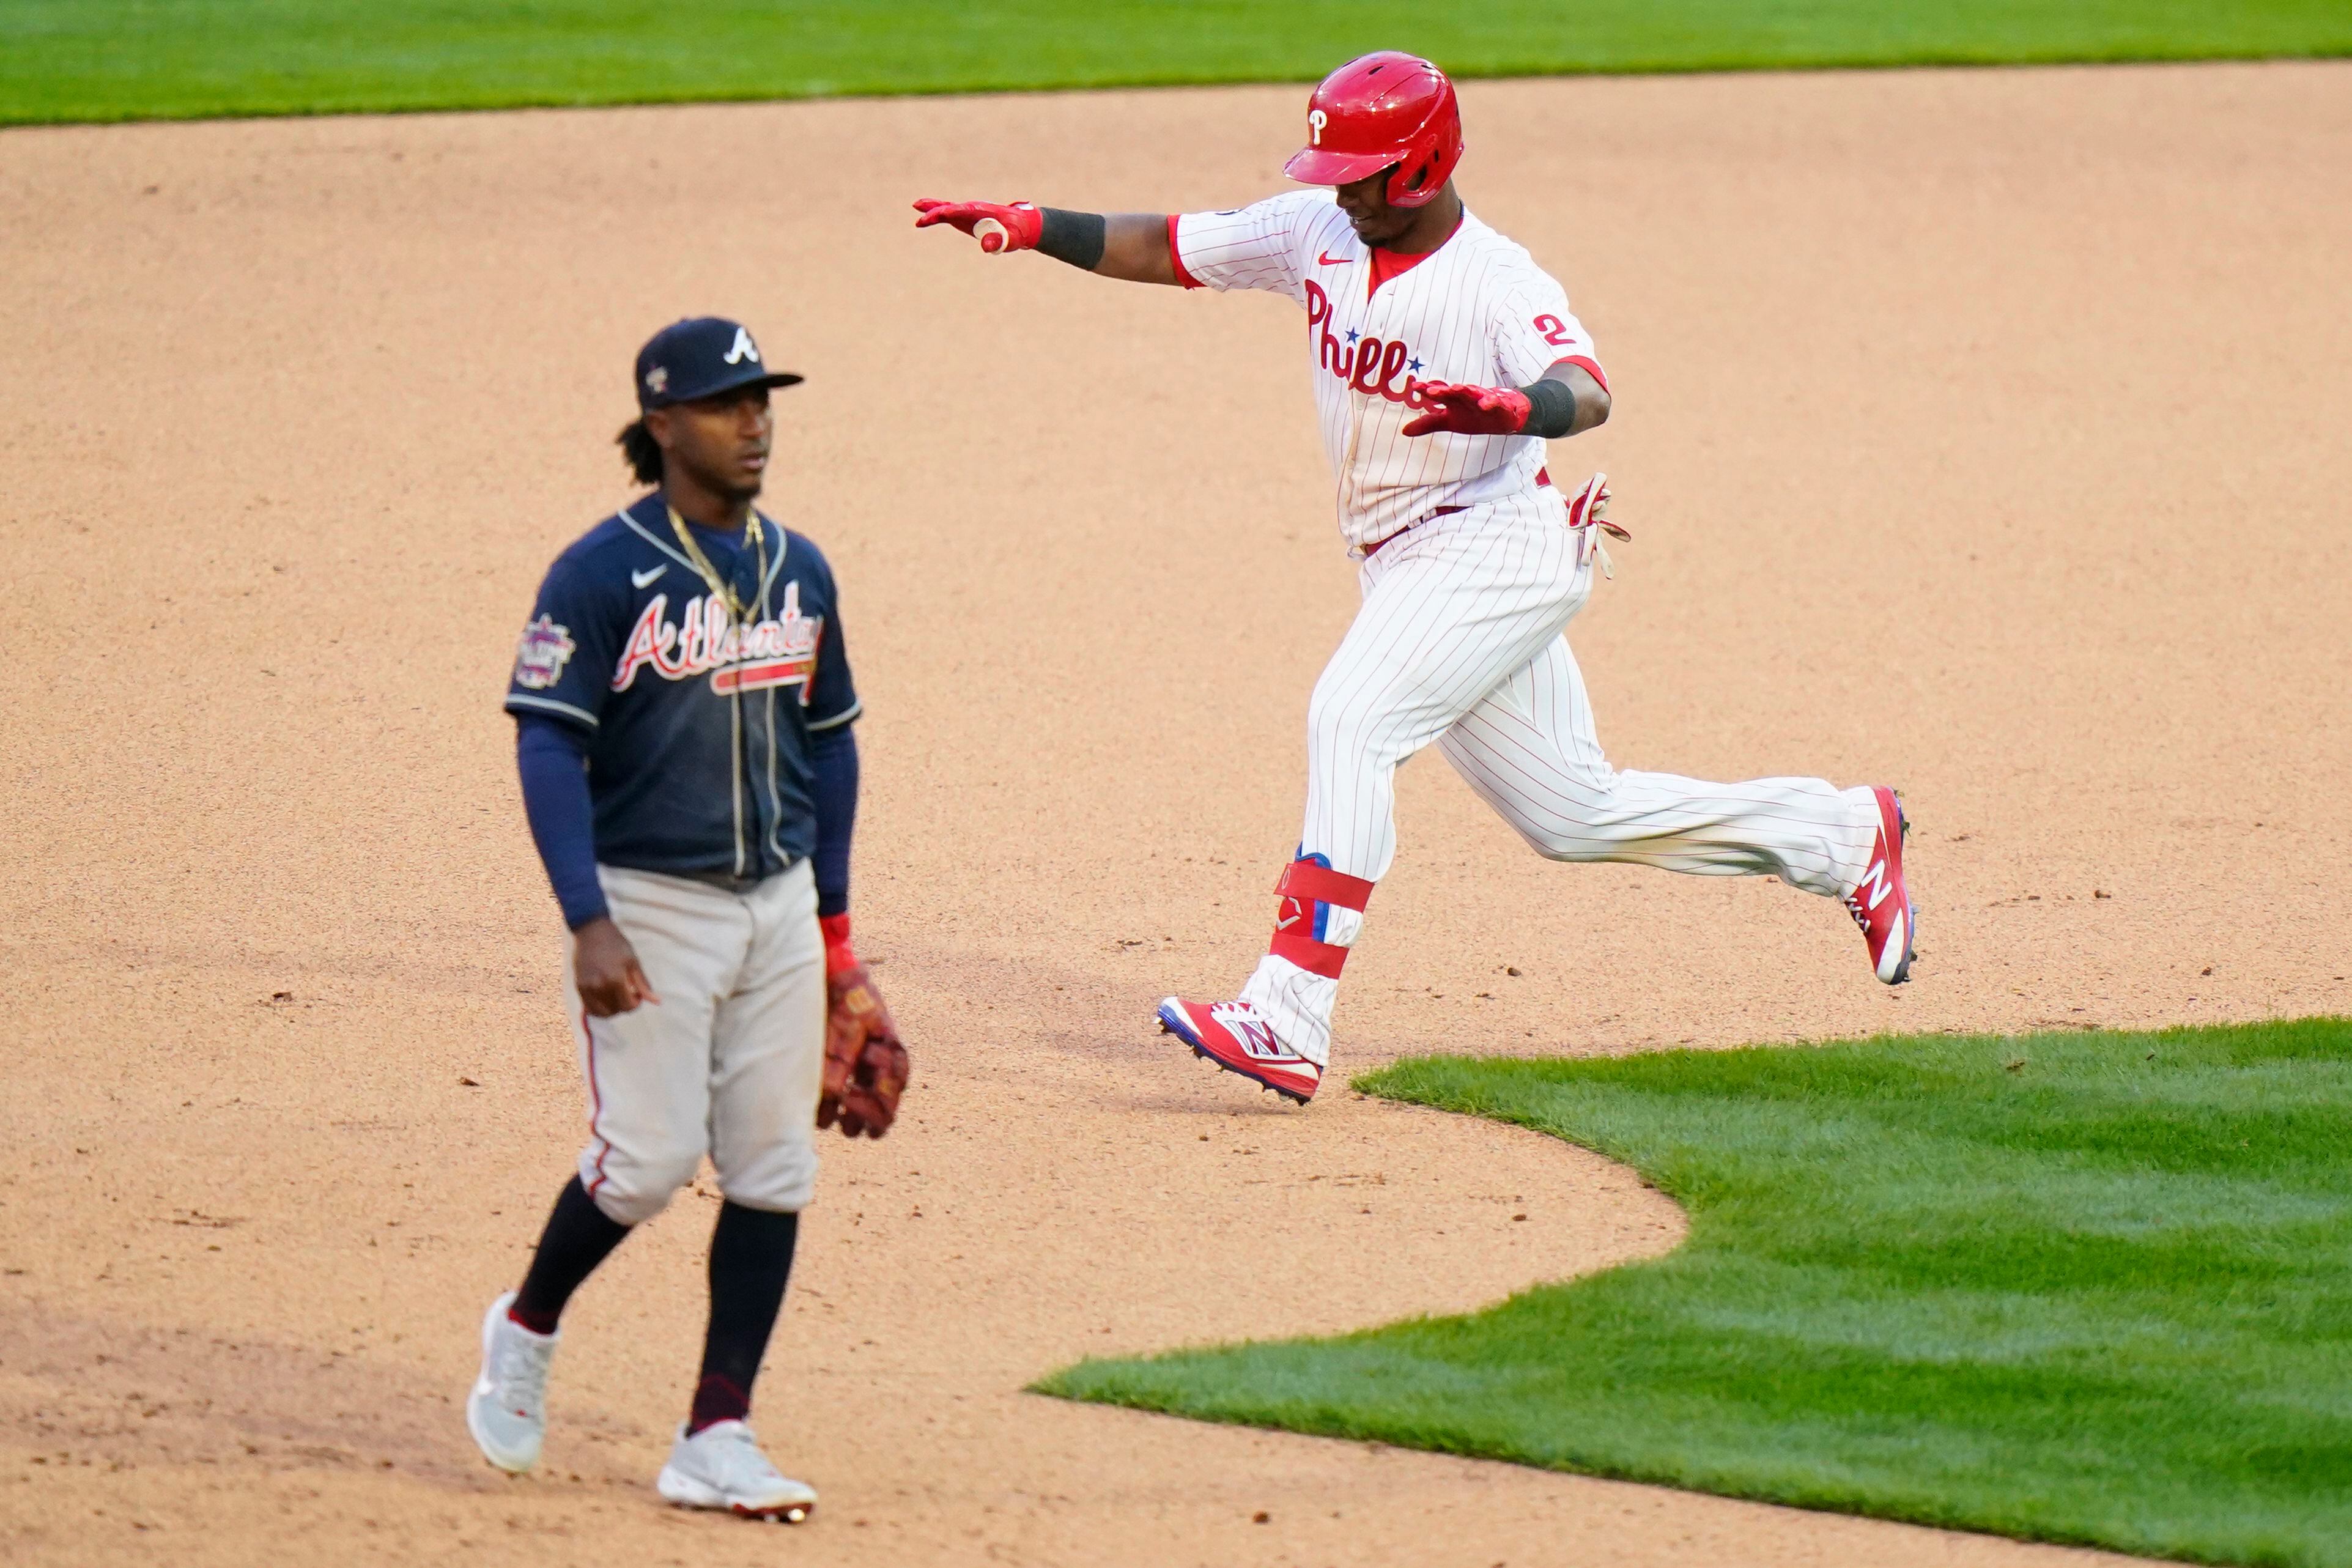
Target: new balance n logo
x=1259 y=1041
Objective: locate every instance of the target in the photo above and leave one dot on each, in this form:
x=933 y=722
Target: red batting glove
x=1590 y=508
x=1467 y=410
x=1013 y=227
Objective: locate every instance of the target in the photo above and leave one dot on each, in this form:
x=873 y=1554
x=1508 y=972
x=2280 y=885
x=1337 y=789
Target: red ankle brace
x=1304 y=885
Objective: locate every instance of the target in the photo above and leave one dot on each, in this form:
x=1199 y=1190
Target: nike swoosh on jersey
x=640 y=579
x=1327 y=260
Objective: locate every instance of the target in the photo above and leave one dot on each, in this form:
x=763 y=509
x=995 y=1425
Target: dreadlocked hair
x=640 y=451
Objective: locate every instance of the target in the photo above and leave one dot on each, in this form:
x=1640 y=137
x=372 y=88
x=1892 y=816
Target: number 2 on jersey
x=1554 y=329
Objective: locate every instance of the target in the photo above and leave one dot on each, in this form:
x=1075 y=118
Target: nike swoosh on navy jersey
x=640 y=579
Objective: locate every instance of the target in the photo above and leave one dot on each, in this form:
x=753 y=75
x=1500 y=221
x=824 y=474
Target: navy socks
x=578 y=1237
x=750 y=1259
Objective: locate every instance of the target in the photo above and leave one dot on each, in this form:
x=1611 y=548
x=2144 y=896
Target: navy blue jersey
x=698 y=728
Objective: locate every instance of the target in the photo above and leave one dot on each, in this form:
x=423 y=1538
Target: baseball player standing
x=683 y=703
x=1441 y=357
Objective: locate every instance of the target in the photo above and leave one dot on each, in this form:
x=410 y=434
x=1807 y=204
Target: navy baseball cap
x=701 y=357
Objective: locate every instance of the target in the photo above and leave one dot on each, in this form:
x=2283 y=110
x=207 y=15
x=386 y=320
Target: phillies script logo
x=739 y=659
x=1372 y=366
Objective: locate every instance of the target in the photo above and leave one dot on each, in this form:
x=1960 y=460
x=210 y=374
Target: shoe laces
x=519 y=1370
x=734 y=1448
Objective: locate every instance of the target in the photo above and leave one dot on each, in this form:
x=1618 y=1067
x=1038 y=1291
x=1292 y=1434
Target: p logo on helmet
x=1386 y=110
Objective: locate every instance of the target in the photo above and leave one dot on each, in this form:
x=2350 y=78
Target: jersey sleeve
x=832 y=691
x=563 y=661
x=1534 y=330
x=1256 y=247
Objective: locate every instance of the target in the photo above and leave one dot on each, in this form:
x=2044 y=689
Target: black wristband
x=1551 y=410
x=1075 y=237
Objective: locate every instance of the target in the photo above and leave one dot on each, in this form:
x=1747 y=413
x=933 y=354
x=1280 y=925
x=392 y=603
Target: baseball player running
x=682 y=703
x=1441 y=358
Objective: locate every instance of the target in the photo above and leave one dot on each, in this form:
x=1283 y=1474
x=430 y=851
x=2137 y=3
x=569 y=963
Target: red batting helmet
x=1379 y=110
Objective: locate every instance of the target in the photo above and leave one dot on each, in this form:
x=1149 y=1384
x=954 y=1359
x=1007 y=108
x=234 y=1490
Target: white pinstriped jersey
x=1476 y=309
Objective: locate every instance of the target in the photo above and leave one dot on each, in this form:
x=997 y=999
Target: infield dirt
x=1982 y=433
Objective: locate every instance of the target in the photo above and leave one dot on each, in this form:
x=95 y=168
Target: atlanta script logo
x=778 y=652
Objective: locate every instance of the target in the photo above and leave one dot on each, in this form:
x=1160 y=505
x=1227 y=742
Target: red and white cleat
x=1237 y=1037
x=1880 y=904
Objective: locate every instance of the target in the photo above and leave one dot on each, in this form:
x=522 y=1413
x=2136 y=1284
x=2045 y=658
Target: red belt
x=1543 y=478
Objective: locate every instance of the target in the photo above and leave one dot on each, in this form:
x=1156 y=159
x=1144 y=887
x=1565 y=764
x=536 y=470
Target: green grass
x=133 y=60
x=2090 y=1288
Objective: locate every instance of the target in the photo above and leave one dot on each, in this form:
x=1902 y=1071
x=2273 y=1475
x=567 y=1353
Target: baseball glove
x=864 y=1064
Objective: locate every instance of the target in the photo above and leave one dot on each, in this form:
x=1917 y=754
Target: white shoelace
x=737 y=1452
x=521 y=1372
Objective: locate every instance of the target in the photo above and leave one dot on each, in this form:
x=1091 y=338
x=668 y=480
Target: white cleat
x=721 y=1467
x=507 y=1412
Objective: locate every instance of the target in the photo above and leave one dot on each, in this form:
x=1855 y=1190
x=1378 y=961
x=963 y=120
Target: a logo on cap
x=658 y=379
x=1315 y=121
x=744 y=349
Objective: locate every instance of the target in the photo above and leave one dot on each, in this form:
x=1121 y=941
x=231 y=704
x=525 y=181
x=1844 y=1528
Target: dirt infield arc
x=1980 y=432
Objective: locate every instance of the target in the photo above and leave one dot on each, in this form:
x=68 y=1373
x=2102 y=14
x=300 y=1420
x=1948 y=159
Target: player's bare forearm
x=1131 y=246
x=1135 y=248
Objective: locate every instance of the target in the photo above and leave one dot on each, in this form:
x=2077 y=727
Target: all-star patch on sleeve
x=563 y=661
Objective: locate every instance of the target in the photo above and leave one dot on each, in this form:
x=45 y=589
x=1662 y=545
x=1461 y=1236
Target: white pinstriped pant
x=1459 y=642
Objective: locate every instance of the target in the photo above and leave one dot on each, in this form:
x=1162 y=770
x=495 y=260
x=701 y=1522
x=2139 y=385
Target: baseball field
x=1979 y=430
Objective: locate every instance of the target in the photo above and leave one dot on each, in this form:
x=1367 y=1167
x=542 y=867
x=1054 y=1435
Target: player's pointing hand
x=606 y=966
x=1467 y=410
x=999 y=226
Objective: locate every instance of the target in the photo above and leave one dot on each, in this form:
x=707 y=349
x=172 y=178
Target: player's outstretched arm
x=1128 y=246
x=1566 y=400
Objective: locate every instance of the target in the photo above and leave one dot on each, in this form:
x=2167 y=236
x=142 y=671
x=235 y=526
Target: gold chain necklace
x=722 y=590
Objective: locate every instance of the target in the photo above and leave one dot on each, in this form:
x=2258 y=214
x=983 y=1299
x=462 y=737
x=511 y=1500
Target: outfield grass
x=2090 y=1288
x=132 y=59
